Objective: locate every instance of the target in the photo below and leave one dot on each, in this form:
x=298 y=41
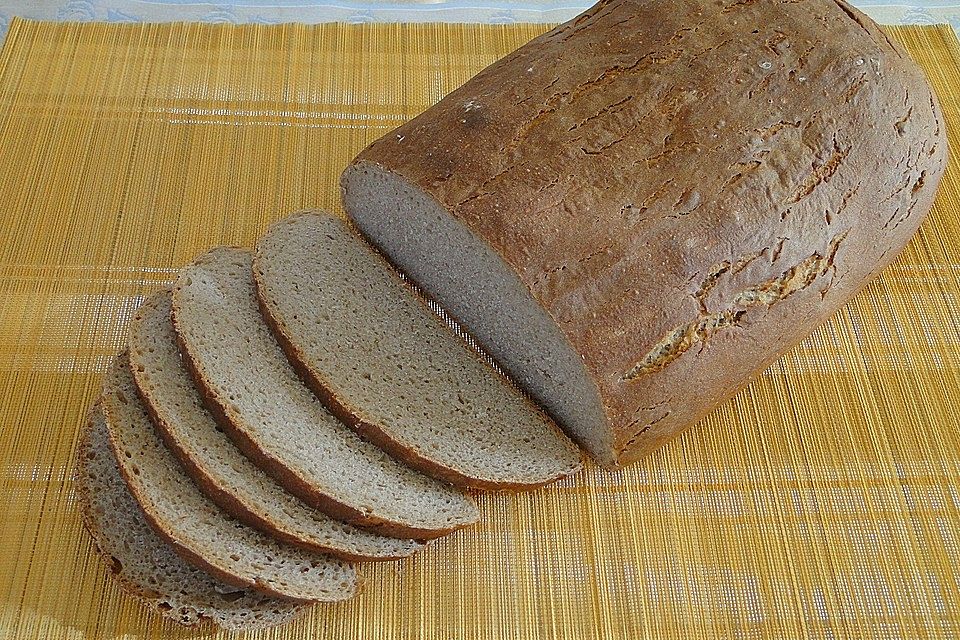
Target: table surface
x=358 y=11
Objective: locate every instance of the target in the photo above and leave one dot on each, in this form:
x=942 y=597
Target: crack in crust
x=642 y=430
x=560 y=101
x=699 y=330
x=820 y=174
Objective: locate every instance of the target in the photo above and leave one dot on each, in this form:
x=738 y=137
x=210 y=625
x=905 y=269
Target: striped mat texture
x=822 y=502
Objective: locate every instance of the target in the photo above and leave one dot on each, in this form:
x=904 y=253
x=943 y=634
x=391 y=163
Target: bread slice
x=387 y=365
x=197 y=529
x=145 y=566
x=221 y=471
x=262 y=404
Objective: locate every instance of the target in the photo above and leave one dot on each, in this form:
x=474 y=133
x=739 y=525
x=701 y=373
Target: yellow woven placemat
x=823 y=502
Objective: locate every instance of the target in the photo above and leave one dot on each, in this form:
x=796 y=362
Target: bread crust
x=686 y=191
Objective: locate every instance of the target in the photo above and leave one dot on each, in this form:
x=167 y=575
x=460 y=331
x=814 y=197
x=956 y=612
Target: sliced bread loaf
x=387 y=365
x=146 y=566
x=218 y=467
x=632 y=233
x=256 y=395
x=197 y=529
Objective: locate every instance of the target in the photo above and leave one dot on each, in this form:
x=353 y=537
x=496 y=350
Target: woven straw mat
x=822 y=502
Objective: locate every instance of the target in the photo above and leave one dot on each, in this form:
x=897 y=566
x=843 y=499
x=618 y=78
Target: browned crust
x=625 y=457
x=230 y=503
x=352 y=416
x=85 y=503
x=287 y=478
x=159 y=526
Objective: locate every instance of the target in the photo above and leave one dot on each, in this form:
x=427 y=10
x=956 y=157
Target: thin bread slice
x=145 y=566
x=198 y=530
x=264 y=407
x=387 y=365
x=221 y=471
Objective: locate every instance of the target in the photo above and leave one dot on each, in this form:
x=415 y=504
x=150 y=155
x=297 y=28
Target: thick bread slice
x=146 y=566
x=222 y=472
x=197 y=529
x=387 y=365
x=262 y=404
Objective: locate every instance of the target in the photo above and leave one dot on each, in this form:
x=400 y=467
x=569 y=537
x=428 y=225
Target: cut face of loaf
x=389 y=366
x=221 y=471
x=199 y=531
x=640 y=210
x=146 y=566
x=265 y=408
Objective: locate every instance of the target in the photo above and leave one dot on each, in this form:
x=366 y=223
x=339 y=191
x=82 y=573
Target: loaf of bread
x=638 y=211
